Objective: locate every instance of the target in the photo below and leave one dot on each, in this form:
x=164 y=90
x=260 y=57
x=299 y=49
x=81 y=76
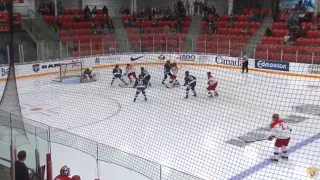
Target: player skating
x=174 y=75
x=190 y=81
x=146 y=75
x=280 y=130
x=88 y=75
x=141 y=85
x=212 y=85
x=130 y=72
x=117 y=73
x=167 y=71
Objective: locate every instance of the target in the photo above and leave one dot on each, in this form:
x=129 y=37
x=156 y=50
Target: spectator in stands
x=127 y=10
x=187 y=7
x=141 y=29
x=166 y=28
x=302 y=17
x=87 y=13
x=59 y=24
x=64 y=174
x=195 y=8
x=251 y=17
x=21 y=170
x=94 y=11
x=201 y=6
x=154 y=22
x=93 y=29
x=76 y=17
x=112 y=50
x=303 y=32
x=286 y=39
x=268 y=32
x=105 y=10
x=2 y=6
x=42 y=8
x=52 y=8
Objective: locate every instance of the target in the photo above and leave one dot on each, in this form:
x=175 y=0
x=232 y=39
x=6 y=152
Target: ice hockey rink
x=200 y=136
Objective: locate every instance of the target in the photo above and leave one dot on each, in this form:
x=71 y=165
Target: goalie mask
x=65 y=170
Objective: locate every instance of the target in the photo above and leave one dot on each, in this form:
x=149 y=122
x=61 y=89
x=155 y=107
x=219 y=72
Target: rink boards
x=36 y=69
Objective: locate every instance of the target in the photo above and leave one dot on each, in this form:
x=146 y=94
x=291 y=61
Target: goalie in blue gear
x=141 y=85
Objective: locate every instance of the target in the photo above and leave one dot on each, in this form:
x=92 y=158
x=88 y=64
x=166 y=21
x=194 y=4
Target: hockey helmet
x=275 y=117
x=187 y=73
x=142 y=68
x=65 y=171
x=117 y=66
x=75 y=177
x=168 y=62
x=174 y=64
x=90 y=68
x=128 y=65
x=140 y=76
x=209 y=73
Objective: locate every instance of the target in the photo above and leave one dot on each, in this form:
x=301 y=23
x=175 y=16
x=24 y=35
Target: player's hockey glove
x=270 y=138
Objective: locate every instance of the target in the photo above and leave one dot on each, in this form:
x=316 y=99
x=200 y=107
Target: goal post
x=69 y=70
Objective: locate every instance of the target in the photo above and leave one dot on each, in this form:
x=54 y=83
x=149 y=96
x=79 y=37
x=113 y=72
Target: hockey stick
x=170 y=87
x=255 y=140
x=125 y=86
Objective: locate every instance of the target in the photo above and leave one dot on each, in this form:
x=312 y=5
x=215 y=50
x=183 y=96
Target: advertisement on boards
x=272 y=65
x=226 y=60
x=314 y=69
x=187 y=57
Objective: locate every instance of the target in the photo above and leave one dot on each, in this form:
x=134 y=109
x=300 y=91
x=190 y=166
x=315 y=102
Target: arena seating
x=75 y=33
x=154 y=37
x=303 y=50
x=228 y=40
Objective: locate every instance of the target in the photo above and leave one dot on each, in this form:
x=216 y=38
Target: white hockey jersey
x=130 y=69
x=280 y=130
x=212 y=81
x=175 y=70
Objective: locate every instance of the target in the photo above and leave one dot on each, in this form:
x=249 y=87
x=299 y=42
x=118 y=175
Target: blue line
x=266 y=162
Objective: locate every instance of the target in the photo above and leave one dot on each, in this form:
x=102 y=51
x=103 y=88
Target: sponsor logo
x=97 y=60
x=272 y=65
x=161 y=57
x=204 y=58
x=133 y=59
x=314 y=69
x=187 y=57
x=4 y=71
x=312 y=172
x=37 y=67
x=229 y=61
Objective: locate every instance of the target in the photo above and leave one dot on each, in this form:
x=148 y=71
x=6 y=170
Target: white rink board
x=51 y=67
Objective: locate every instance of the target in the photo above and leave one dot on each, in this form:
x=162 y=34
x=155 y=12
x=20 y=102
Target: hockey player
x=76 y=177
x=88 y=73
x=174 y=75
x=167 y=71
x=141 y=85
x=130 y=72
x=145 y=74
x=280 y=130
x=190 y=82
x=64 y=174
x=212 y=85
x=117 y=73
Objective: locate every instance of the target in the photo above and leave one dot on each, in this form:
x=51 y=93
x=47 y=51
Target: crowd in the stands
x=295 y=20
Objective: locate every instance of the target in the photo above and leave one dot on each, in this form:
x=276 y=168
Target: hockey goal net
x=69 y=70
